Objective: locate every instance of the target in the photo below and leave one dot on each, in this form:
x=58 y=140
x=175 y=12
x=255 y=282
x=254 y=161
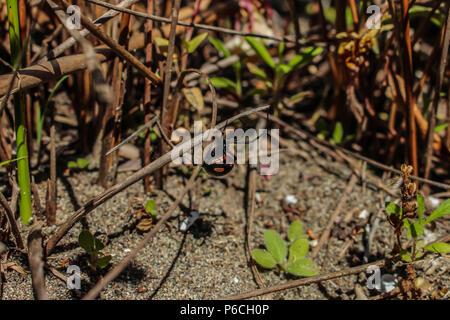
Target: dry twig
x=35 y=260
x=306 y=281
x=326 y=233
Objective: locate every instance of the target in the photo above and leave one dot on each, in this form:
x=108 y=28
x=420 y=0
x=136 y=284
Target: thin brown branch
x=294 y=17
x=437 y=92
x=134 y=134
x=112 y=115
x=326 y=233
x=35 y=259
x=11 y=221
x=14 y=196
x=50 y=202
x=306 y=281
x=103 y=91
x=166 y=111
x=404 y=45
x=163 y=135
x=36 y=198
x=46 y=71
x=147 y=88
x=251 y=212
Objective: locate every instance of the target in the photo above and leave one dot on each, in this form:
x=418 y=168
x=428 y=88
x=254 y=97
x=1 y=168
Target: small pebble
x=291 y=199
x=363 y=215
x=313 y=243
x=141 y=289
x=434 y=202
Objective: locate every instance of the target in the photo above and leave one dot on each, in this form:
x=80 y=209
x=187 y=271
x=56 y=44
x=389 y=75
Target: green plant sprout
x=93 y=246
x=338 y=133
x=80 y=164
x=277 y=251
x=150 y=208
x=9 y=161
x=415 y=228
x=222 y=82
x=193 y=44
x=337 y=137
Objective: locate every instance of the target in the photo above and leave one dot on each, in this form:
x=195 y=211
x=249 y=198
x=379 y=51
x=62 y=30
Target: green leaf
x=275 y=245
x=195 y=97
x=438 y=247
x=72 y=165
x=82 y=163
x=163 y=45
x=338 y=133
x=282 y=69
x=154 y=213
x=98 y=245
x=150 y=205
x=295 y=230
x=418 y=11
x=261 y=50
x=298 y=97
x=258 y=72
x=440 y=127
x=255 y=91
x=103 y=261
x=153 y=136
x=414 y=230
x=192 y=44
x=393 y=208
x=442 y=210
x=303 y=267
x=421 y=207
x=220 y=46
x=281 y=47
x=221 y=82
x=264 y=258
x=406 y=256
x=298 y=249
x=86 y=241
x=305 y=57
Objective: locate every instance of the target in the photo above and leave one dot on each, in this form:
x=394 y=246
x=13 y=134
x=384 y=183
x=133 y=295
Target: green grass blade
x=261 y=50
x=23 y=172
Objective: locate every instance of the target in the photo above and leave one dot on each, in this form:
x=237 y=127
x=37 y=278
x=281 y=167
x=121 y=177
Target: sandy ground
x=209 y=261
